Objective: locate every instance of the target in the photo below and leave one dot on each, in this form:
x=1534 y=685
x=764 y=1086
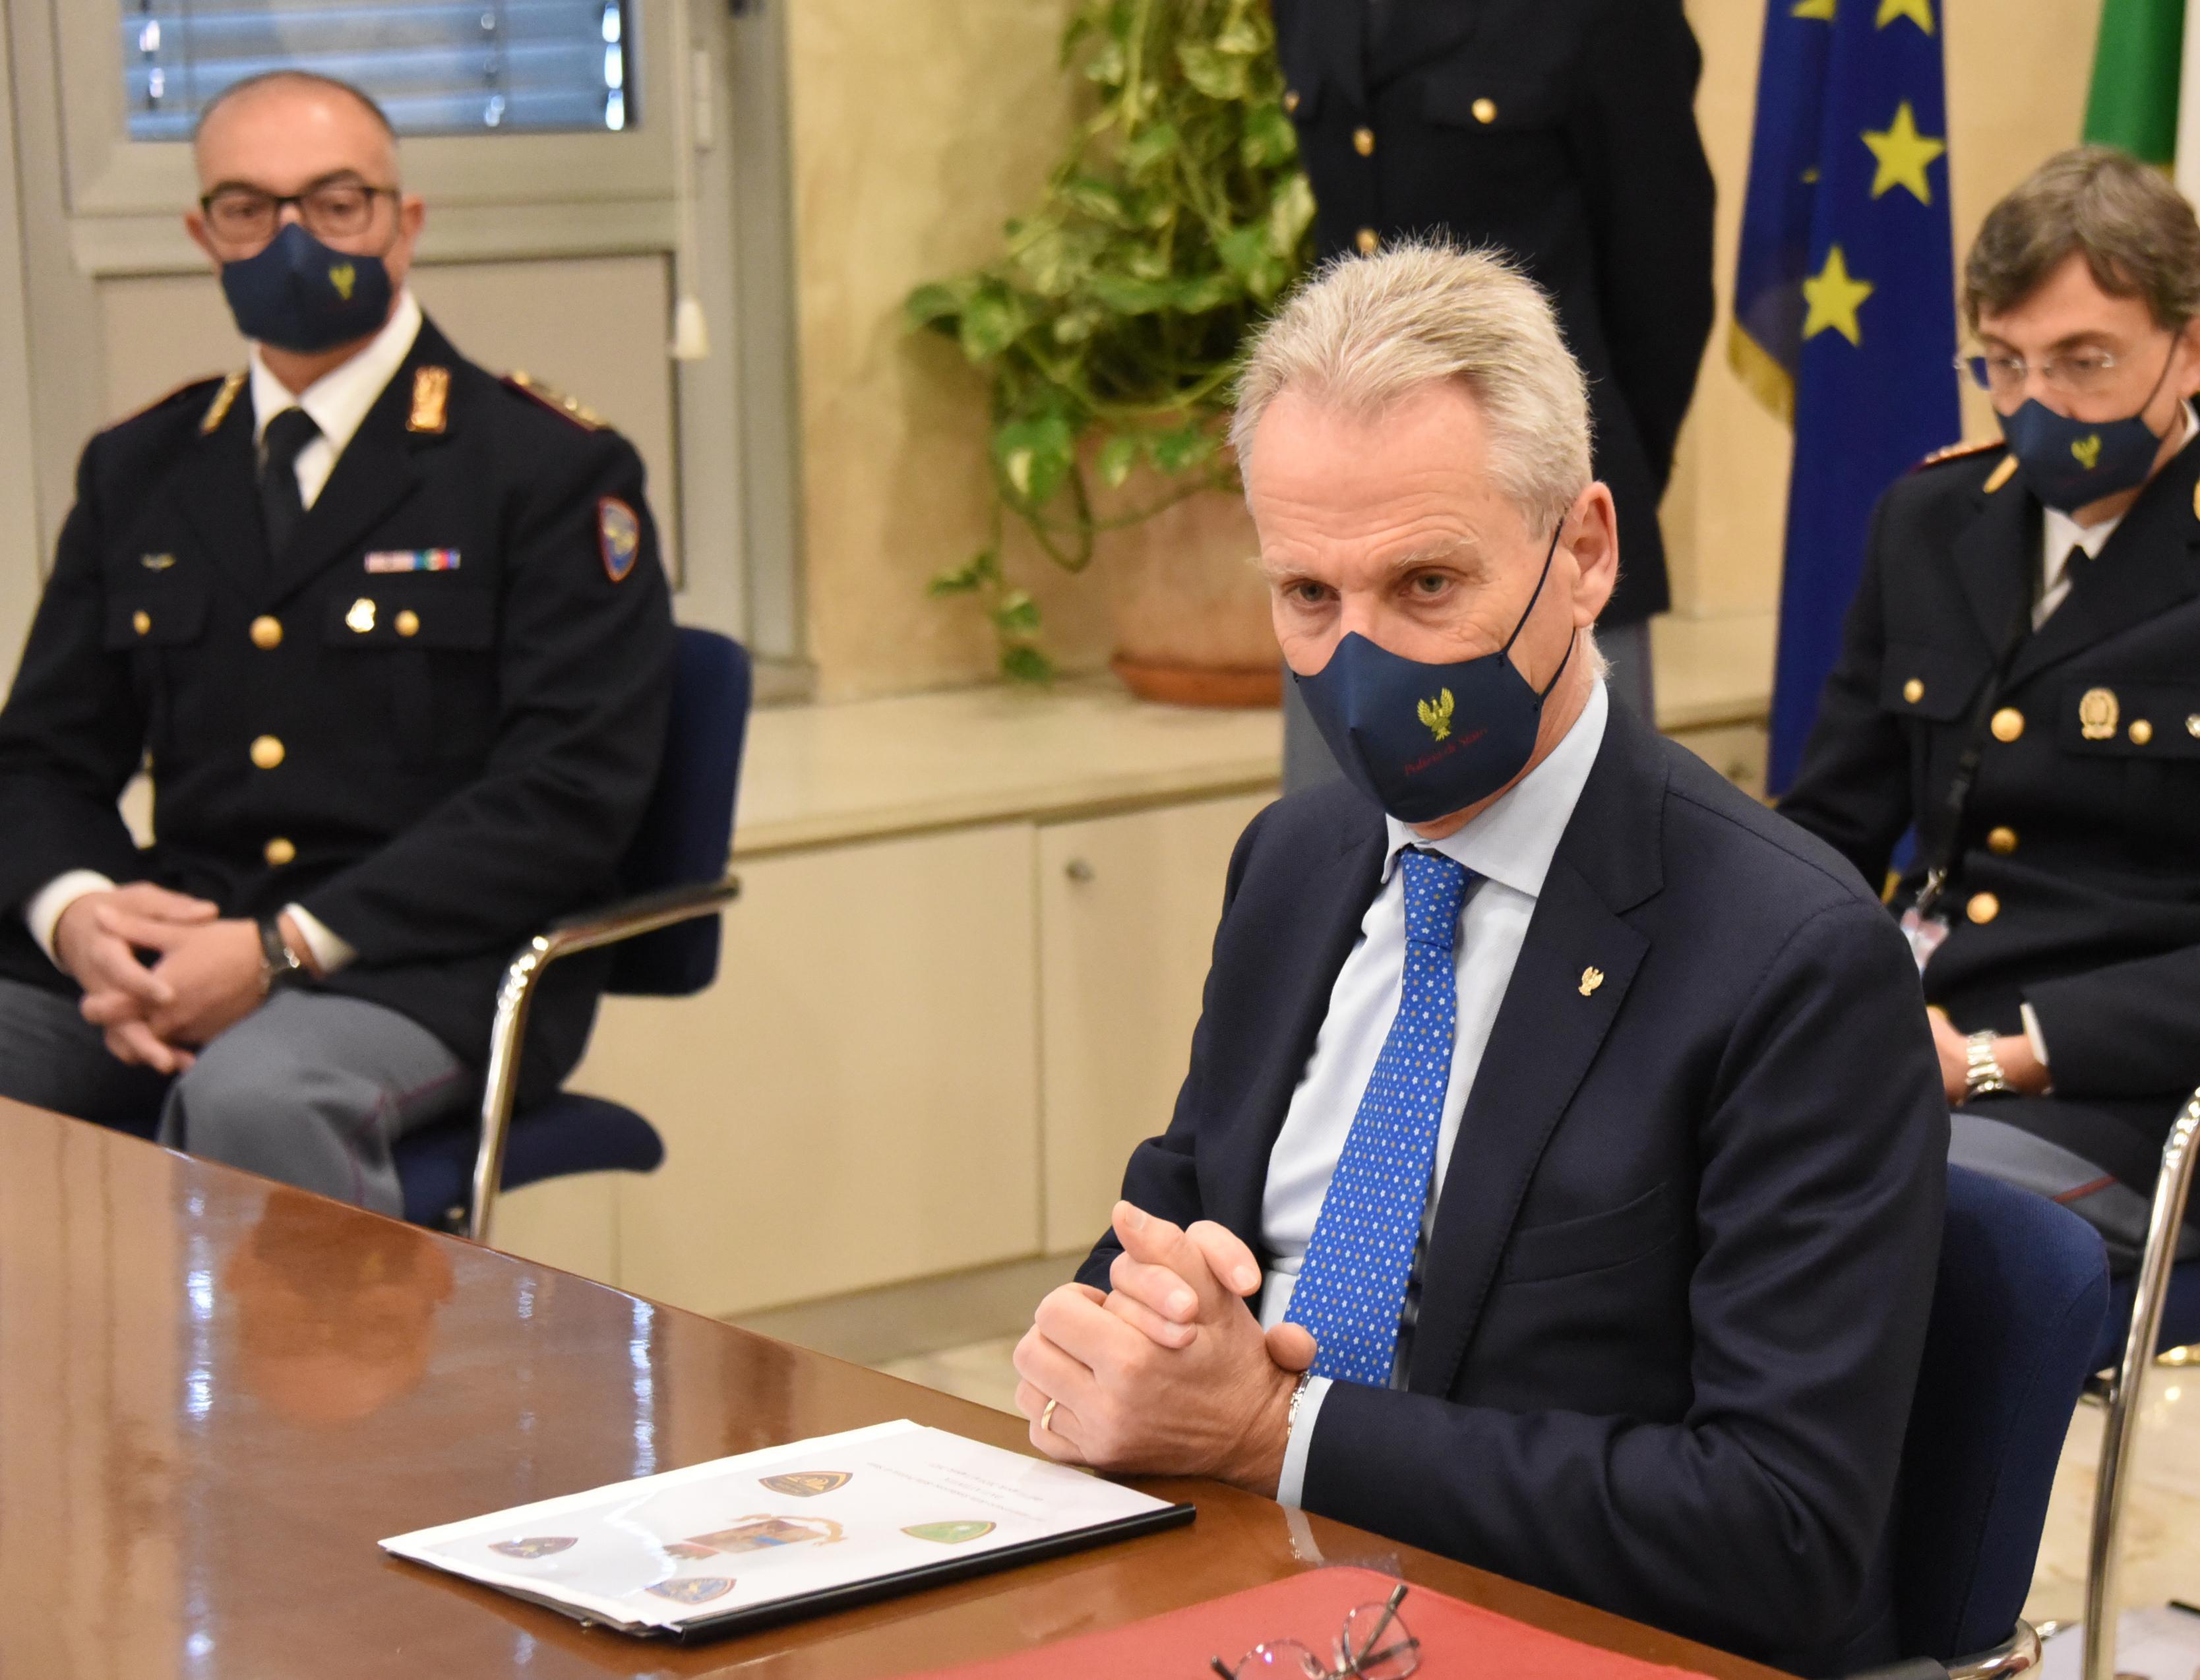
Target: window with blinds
x=438 y=67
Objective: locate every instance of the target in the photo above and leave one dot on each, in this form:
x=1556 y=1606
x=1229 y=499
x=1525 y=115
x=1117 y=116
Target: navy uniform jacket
x=463 y=752
x=1564 y=132
x=2078 y=887
x=1677 y=1288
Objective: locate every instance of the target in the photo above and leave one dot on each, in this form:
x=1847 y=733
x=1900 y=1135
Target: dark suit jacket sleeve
x=73 y=732
x=585 y=675
x=1650 y=199
x=1163 y=1175
x=1751 y=1522
x=1853 y=790
x=2125 y=1030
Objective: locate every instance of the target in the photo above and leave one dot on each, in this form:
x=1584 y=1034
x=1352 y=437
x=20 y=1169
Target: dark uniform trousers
x=2076 y=888
x=432 y=720
x=1562 y=132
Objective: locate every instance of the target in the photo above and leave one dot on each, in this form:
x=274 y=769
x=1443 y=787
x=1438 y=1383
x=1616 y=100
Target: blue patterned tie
x=1352 y=1284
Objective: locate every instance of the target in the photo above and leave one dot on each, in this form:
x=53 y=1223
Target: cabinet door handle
x=1079 y=870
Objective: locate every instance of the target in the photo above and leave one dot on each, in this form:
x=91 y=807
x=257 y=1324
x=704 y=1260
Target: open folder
x=765 y=1536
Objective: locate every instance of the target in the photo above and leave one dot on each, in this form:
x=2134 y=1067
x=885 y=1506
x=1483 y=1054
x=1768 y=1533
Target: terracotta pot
x=1188 y=604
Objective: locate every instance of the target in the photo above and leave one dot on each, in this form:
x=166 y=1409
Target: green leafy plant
x=1111 y=327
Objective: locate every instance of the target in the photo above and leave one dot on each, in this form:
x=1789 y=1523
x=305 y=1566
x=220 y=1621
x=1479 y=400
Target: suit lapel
x=1418 y=33
x=2147 y=567
x=1336 y=38
x=377 y=471
x=219 y=492
x=1310 y=952
x=1549 y=1030
x=1994 y=559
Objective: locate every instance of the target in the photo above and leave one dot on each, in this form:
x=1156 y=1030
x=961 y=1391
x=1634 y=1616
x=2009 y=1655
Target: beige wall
x=918 y=127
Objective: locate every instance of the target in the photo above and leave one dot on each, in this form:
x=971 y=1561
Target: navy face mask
x=301 y=296
x=2070 y=463
x=1425 y=740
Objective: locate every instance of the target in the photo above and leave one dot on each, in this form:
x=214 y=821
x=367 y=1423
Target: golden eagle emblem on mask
x=343 y=276
x=1436 y=715
x=2087 y=449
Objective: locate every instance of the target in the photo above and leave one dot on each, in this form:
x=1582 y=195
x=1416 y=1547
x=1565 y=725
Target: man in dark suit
x=1526 y=1099
x=2020 y=681
x=391 y=637
x=1564 y=132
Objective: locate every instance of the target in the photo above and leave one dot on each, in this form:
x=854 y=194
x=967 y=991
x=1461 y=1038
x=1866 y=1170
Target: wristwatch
x=279 y=966
x=1982 y=1072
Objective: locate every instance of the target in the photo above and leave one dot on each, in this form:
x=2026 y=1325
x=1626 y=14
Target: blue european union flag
x=1845 y=315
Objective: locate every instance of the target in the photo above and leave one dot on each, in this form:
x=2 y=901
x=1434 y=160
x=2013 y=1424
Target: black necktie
x=280 y=505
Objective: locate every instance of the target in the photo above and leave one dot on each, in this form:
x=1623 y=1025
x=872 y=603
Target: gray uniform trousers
x=309 y=1088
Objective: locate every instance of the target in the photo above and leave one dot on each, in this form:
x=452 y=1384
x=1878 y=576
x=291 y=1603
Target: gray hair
x=1364 y=331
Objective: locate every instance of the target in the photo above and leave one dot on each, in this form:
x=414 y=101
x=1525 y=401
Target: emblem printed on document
x=763 y=1532
x=948 y=1533
x=693 y=1589
x=414 y=560
x=807 y=1483
x=537 y=1546
x=2097 y=713
x=619 y=535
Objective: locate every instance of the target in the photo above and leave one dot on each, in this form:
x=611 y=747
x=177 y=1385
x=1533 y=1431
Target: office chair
x=2156 y=1308
x=2017 y=1310
x=667 y=935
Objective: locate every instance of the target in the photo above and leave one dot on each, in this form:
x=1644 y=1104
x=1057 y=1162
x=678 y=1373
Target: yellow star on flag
x=1919 y=12
x=1821 y=9
x=1903 y=154
x=1833 y=294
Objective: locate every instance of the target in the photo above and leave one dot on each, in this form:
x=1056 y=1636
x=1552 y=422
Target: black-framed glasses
x=338 y=209
x=1374 y=1644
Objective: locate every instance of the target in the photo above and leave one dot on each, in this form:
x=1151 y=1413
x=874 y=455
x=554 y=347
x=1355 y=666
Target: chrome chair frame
x=2015 y=1655
x=2172 y=1189
x=515 y=995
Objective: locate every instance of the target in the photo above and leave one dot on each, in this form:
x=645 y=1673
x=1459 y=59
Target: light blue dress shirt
x=1510 y=846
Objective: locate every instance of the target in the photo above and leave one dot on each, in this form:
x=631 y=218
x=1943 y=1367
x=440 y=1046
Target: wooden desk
x=216 y=1394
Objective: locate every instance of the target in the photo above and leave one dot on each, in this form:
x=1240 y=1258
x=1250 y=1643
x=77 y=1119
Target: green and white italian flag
x=2146 y=51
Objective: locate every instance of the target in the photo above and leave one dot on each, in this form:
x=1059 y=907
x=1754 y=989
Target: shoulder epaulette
x=1957 y=452
x=557 y=401
x=182 y=394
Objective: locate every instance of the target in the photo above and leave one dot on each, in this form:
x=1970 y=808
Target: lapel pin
x=1591 y=979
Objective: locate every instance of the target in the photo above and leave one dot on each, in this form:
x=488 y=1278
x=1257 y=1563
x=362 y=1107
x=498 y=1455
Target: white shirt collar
x=1513 y=841
x=2061 y=533
x=339 y=400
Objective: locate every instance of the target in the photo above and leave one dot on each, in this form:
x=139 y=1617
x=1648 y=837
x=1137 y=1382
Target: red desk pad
x=1459 y=1641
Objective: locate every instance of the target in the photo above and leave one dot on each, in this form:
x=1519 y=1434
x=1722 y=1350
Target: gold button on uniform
x=1485 y=110
x=2002 y=841
x=1982 y=908
x=1291 y=101
x=2008 y=724
x=266 y=632
x=1913 y=691
x=407 y=623
x=2141 y=732
x=1368 y=241
x=266 y=751
x=2192 y=725
x=278 y=852
x=141 y=620
x=1363 y=141
x=361 y=615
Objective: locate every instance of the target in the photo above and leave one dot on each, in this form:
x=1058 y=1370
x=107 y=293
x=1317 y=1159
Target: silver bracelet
x=1982 y=1069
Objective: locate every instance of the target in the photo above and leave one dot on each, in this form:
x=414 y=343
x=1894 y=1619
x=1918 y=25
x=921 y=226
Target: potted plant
x=1110 y=327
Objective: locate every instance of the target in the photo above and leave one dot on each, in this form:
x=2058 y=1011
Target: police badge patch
x=618 y=534
x=807 y=1483
x=539 y=1546
x=694 y=1589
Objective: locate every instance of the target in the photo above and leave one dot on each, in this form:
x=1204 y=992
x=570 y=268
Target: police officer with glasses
x=2019 y=686
x=390 y=638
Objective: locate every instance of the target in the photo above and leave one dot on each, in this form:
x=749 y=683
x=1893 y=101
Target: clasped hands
x=1170 y=1374
x=206 y=977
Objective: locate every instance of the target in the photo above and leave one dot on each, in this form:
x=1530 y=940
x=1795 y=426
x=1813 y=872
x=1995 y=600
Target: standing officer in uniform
x=2021 y=682
x=392 y=638
x=1563 y=131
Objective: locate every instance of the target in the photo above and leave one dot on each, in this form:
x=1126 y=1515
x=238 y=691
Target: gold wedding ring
x=1046 y=1417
